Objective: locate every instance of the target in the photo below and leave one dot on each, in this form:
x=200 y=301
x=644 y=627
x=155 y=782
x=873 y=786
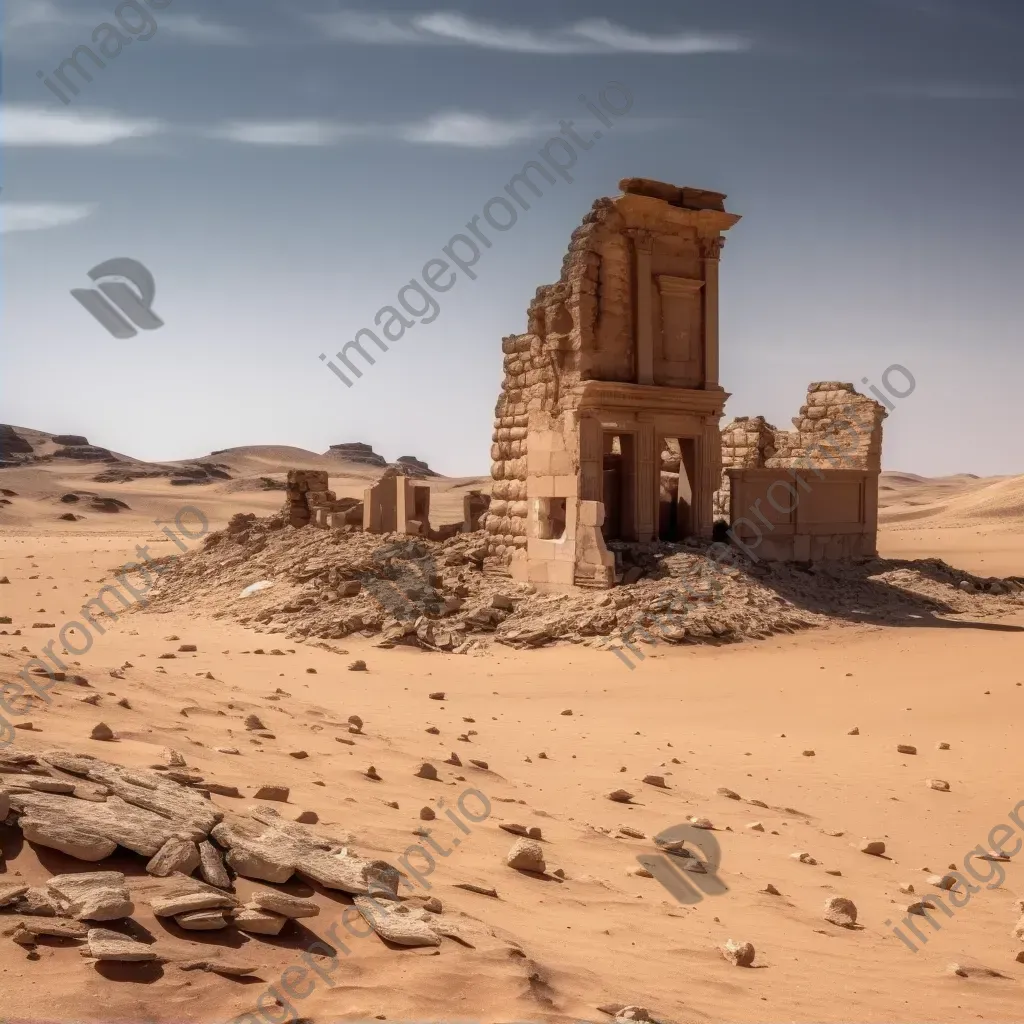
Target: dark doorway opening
x=676 y=519
x=618 y=490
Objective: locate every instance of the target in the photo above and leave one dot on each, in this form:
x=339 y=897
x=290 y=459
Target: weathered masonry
x=618 y=365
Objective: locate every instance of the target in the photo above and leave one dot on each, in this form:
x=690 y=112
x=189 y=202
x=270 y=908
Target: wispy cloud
x=194 y=29
x=32 y=126
x=450 y=128
x=16 y=216
x=592 y=35
x=281 y=133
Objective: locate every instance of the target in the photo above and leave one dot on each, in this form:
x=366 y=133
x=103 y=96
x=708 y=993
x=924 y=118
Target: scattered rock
x=841 y=911
x=620 y=796
x=357 y=666
x=906 y=748
x=279 y=793
x=437 y=695
x=109 y=945
x=427 y=814
x=739 y=954
x=176 y=855
x=93 y=895
x=426 y=771
x=804 y=858
x=283 y=904
x=355 y=724
x=526 y=855
x=874 y=847
x=939 y=784
x=371 y=773
x=655 y=780
x=308 y=818
x=258 y=922
x=728 y=793
x=102 y=731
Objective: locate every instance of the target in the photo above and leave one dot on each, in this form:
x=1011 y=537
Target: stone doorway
x=618 y=486
x=677 y=517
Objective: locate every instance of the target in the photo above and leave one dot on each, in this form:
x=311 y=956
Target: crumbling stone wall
x=307 y=490
x=837 y=428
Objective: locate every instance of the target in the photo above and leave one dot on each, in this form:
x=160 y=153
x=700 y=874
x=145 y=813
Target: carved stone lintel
x=711 y=248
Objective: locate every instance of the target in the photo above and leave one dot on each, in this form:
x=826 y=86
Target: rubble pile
x=446 y=595
x=86 y=808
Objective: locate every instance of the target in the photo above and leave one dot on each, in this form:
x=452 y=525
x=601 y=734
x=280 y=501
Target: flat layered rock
x=285 y=905
x=400 y=923
x=203 y=921
x=93 y=895
x=190 y=903
x=348 y=873
x=107 y=945
x=11 y=893
x=67 y=837
x=257 y=922
x=55 y=927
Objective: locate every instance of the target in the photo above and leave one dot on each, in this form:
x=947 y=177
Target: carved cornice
x=643 y=239
x=599 y=394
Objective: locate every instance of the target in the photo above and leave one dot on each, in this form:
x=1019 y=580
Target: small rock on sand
x=426 y=771
x=874 y=847
x=620 y=796
x=427 y=814
x=279 y=793
x=655 y=780
x=841 y=911
x=436 y=695
x=739 y=954
x=940 y=784
x=357 y=666
x=526 y=855
x=102 y=731
x=906 y=748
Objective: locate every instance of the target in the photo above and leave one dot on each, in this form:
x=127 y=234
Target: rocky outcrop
x=356 y=451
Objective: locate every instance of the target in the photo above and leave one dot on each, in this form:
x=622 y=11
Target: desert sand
x=590 y=931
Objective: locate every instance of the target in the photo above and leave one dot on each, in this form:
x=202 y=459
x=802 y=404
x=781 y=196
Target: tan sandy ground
x=737 y=717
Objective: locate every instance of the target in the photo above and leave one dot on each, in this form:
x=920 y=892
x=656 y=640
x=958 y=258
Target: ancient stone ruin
x=620 y=355
x=607 y=432
x=811 y=493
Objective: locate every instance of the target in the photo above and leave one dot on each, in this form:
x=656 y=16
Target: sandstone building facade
x=620 y=359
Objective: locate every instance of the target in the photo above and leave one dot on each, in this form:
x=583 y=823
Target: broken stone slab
x=174 y=904
x=399 y=923
x=39 y=902
x=258 y=922
x=105 y=944
x=285 y=905
x=11 y=893
x=55 y=927
x=348 y=873
x=94 y=895
x=66 y=837
x=279 y=793
x=176 y=855
x=202 y=920
x=211 y=865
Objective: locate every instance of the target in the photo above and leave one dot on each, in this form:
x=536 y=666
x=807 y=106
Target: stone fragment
x=279 y=793
x=426 y=771
x=939 y=784
x=257 y=922
x=176 y=855
x=93 y=895
x=841 y=911
x=371 y=773
x=252 y=723
x=755 y=826
x=803 y=858
x=526 y=855
x=906 y=748
x=655 y=780
x=620 y=796
x=228 y=969
x=283 y=904
x=190 y=902
x=399 y=923
x=203 y=921
x=728 y=793
x=874 y=847
x=437 y=695
x=105 y=944
x=102 y=731
x=10 y=892
x=211 y=865
x=739 y=954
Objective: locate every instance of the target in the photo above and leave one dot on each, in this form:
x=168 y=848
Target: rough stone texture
x=211 y=865
x=740 y=954
x=400 y=923
x=109 y=945
x=93 y=895
x=285 y=905
x=526 y=855
x=840 y=911
x=202 y=921
x=258 y=922
x=176 y=855
x=174 y=904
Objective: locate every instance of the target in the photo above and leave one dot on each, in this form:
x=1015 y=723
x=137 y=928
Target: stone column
x=591 y=458
x=643 y=242
x=648 y=482
x=709 y=471
x=710 y=252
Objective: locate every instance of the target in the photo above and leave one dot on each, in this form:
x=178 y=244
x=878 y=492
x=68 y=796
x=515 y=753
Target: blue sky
x=284 y=167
